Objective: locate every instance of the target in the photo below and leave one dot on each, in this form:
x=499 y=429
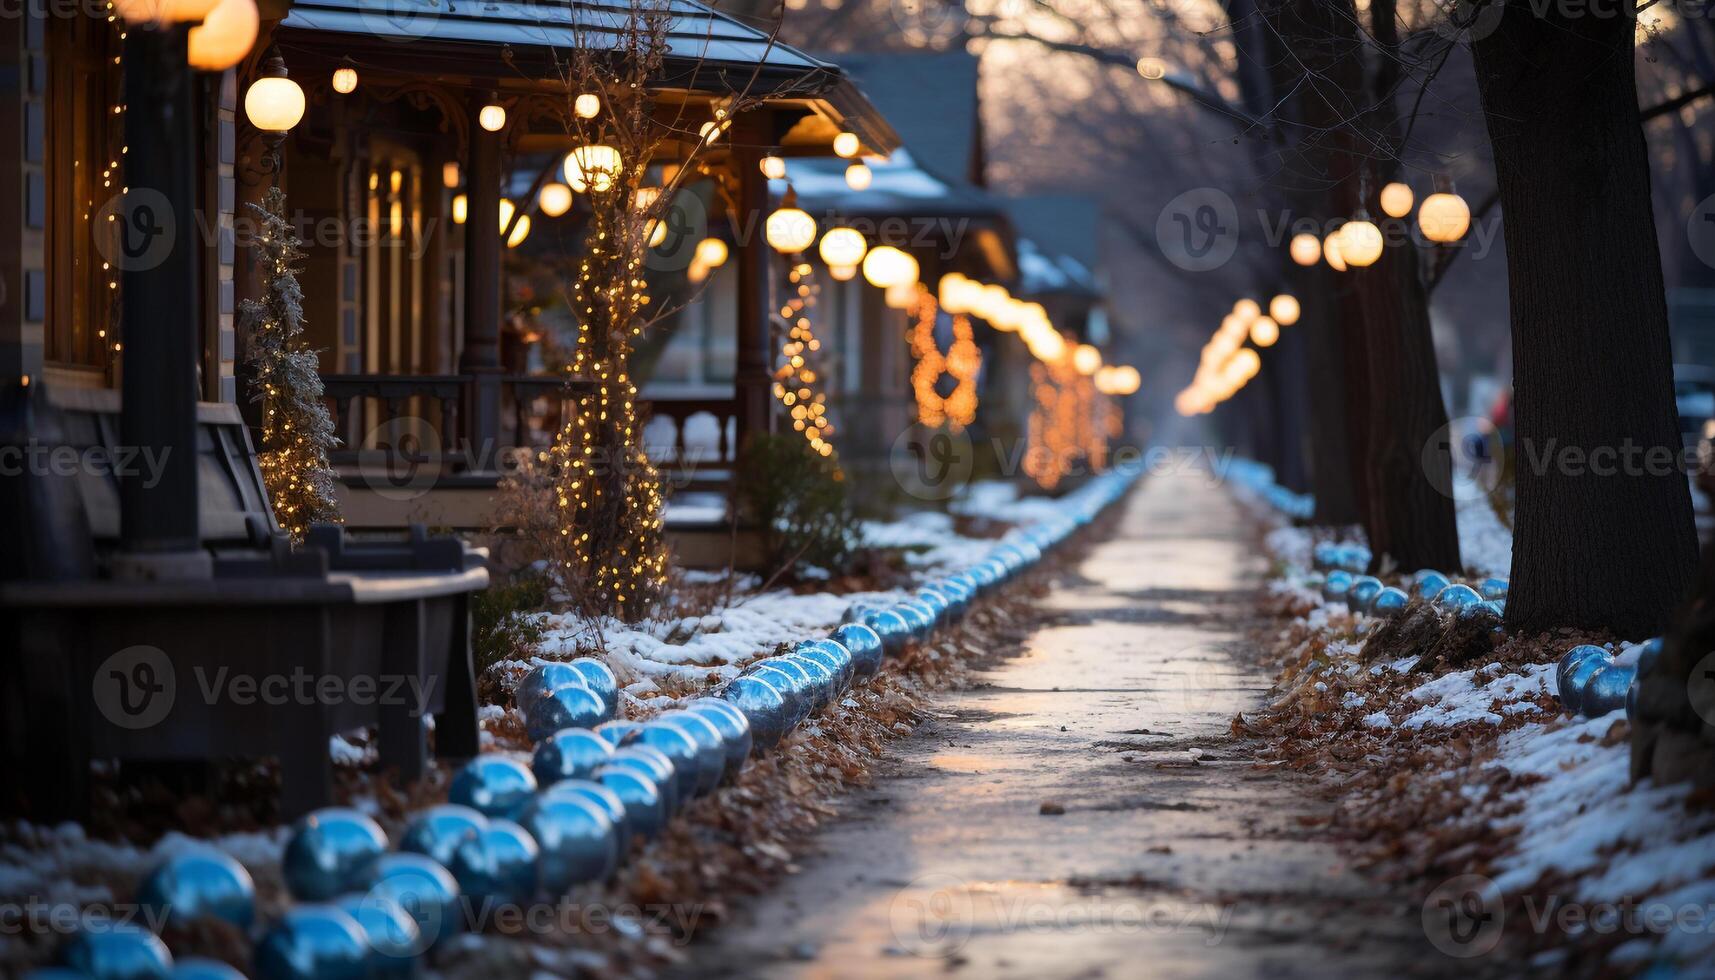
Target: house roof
x=931 y=100
x=1068 y=225
x=899 y=186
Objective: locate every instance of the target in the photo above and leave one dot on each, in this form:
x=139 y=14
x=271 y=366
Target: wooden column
x=159 y=514
x=480 y=355
x=752 y=138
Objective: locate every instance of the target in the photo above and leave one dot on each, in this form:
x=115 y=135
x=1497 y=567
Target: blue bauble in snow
x=865 y=646
x=922 y=618
x=654 y=764
x=593 y=791
x=1364 y=590
x=893 y=629
x=1493 y=588
x=1428 y=584
x=830 y=655
x=617 y=732
x=939 y=606
x=1495 y=609
x=394 y=940
x=1605 y=690
x=313 y=942
x=1324 y=555
x=330 y=852
x=1389 y=602
x=108 y=950
x=599 y=678
x=493 y=785
x=793 y=690
x=202 y=883
x=824 y=683
x=762 y=706
x=1576 y=682
x=425 y=889
x=201 y=968
x=542 y=679
x=499 y=864
x=571 y=753
x=645 y=812
x=439 y=830
x=1336 y=585
x=1649 y=657
x=1354 y=558
x=1571 y=661
x=672 y=742
x=1455 y=598
x=711 y=749
x=577 y=842
x=572 y=706
x=734 y=729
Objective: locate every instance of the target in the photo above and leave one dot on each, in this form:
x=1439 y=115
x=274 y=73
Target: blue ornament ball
x=1364 y=590
x=497 y=865
x=108 y=950
x=571 y=753
x=493 y=785
x=425 y=889
x=1649 y=657
x=1428 y=584
x=1336 y=585
x=572 y=706
x=1605 y=691
x=577 y=842
x=654 y=764
x=330 y=852
x=762 y=707
x=836 y=664
x=711 y=748
x=893 y=629
x=824 y=684
x=1574 y=679
x=645 y=811
x=865 y=646
x=599 y=677
x=540 y=681
x=1493 y=588
x=313 y=942
x=618 y=732
x=734 y=729
x=681 y=749
x=203 y=883
x=438 y=831
x=792 y=679
x=1571 y=661
x=1389 y=602
x=394 y=940
x=1454 y=598
x=593 y=791
x=202 y=968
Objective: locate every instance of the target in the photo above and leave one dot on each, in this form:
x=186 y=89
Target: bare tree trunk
x=1594 y=545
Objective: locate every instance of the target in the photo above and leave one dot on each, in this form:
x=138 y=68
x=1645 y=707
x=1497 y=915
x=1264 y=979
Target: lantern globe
x=843 y=273
x=1264 y=331
x=774 y=168
x=712 y=252
x=1087 y=359
x=1331 y=250
x=492 y=117
x=859 y=177
x=1396 y=200
x=586 y=106
x=843 y=246
x=594 y=167
x=1284 y=309
x=790 y=230
x=847 y=145
x=1306 y=249
x=225 y=36
x=520 y=231
x=1360 y=243
x=886 y=266
x=1444 y=217
x=461 y=208
x=555 y=199
x=952 y=293
x=1247 y=310
x=1126 y=380
x=274 y=105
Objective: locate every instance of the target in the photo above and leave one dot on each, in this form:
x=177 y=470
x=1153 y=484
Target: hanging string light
x=797 y=384
x=962 y=363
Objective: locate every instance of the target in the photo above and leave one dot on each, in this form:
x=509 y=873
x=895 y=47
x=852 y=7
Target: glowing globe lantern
x=461 y=208
x=886 y=266
x=773 y=168
x=555 y=199
x=1124 y=381
x=1086 y=359
x=274 y=104
x=1396 y=200
x=227 y=34
x=1284 y=309
x=492 y=117
x=712 y=253
x=790 y=229
x=843 y=273
x=847 y=145
x=1247 y=310
x=859 y=177
x=1264 y=331
x=344 y=78
x=1444 y=217
x=1360 y=242
x=843 y=247
x=587 y=106
x=954 y=293
x=593 y=167
x=1305 y=249
x=1331 y=250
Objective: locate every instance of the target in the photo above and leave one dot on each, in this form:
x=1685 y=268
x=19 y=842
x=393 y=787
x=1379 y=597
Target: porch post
x=752 y=137
x=480 y=356
x=158 y=250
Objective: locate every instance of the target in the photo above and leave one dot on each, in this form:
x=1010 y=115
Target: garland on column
x=962 y=362
x=796 y=382
x=297 y=432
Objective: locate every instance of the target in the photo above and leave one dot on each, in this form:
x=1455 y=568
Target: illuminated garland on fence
x=962 y=361
x=796 y=383
x=1069 y=421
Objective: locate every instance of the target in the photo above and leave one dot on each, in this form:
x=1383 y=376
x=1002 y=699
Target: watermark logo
x=1700 y=231
x=932 y=464
x=1474 y=447
x=400 y=459
x=1468 y=21
x=1463 y=917
x=686 y=218
x=401 y=20
x=1700 y=686
x=929 y=23
x=134 y=689
x=143 y=229
x=1199 y=230
x=932 y=916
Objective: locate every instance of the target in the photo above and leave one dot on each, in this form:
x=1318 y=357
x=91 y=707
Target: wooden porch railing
x=434 y=409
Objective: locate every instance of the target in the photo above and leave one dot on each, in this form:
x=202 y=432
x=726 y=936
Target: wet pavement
x=1085 y=811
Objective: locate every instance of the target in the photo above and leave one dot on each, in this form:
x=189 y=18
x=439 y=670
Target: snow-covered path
x=1087 y=812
